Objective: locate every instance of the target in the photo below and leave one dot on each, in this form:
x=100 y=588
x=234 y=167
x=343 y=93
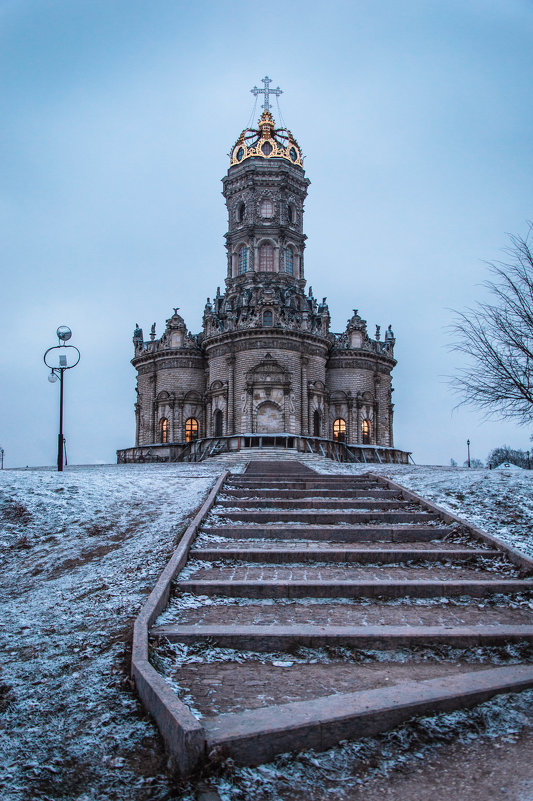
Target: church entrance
x=269 y=418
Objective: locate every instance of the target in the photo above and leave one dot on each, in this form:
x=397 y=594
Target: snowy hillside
x=80 y=551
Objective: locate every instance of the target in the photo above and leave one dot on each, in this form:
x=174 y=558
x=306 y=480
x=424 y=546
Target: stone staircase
x=317 y=608
x=232 y=458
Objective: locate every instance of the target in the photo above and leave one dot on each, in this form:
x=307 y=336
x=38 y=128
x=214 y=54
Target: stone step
x=284 y=638
x=317 y=572
x=322 y=482
x=330 y=553
x=364 y=533
x=255 y=736
x=443 y=612
x=477 y=588
x=303 y=504
x=306 y=517
x=341 y=493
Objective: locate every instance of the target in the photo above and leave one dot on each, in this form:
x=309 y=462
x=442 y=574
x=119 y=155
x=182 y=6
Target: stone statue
x=152 y=332
x=138 y=338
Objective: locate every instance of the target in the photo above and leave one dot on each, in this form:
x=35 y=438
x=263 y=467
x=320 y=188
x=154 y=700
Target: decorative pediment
x=268 y=372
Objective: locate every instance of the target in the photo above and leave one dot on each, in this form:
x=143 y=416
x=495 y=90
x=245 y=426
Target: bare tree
x=497 y=338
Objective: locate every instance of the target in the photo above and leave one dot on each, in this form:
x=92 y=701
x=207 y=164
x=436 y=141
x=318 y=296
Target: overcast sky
x=117 y=117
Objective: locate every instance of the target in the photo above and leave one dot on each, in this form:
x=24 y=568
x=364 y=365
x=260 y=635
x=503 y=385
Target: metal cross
x=267 y=91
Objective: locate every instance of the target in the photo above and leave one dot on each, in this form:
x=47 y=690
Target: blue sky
x=416 y=120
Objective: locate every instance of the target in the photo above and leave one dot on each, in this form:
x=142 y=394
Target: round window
x=240 y=153
x=293 y=154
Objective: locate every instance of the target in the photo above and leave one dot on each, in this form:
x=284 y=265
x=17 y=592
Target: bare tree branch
x=497 y=338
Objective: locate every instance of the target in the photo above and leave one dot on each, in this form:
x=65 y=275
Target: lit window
x=163 y=430
x=267 y=318
x=266 y=208
x=288 y=261
x=191 y=429
x=366 y=431
x=266 y=258
x=339 y=430
x=243 y=259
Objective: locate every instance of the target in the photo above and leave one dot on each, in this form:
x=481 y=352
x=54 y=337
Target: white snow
x=80 y=551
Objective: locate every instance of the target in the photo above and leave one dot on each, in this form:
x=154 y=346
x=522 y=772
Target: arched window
x=291 y=214
x=268 y=318
x=243 y=259
x=339 y=430
x=191 y=429
x=163 y=430
x=218 y=420
x=366 y=431
x=316 y=423
x=266 y=208
x=241 y=211
x=288 y=261
x=266 y=258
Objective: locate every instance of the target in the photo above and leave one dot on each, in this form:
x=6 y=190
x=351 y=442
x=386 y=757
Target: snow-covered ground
x=498 y=501
x=79 y=553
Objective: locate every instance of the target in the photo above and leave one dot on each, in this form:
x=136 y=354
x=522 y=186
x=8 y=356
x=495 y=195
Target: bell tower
x=265 y=190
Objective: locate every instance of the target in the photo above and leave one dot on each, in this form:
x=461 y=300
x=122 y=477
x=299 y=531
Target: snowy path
x=458 y=620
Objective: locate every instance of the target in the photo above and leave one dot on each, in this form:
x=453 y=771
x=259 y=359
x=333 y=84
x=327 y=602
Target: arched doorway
x=218 y=420
x=269 y=418
x=316 y=423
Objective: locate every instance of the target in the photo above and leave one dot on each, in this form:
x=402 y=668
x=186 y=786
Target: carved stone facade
x=265 y=361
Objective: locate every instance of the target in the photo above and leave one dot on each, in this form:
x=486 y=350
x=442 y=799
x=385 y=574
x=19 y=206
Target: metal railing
x=200 y=449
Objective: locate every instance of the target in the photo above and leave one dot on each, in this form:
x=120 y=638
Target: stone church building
x=265 y=366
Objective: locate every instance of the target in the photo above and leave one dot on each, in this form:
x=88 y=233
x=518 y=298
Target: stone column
x=250 y=391
x=286 y=412
x=230 y=423
x=349 y=421
x=358 y=420
x=304 y=411
x=137 y=422
x=172 y=433
x=181 y=432
x=375 y=432
x=153 y=424
x=391 y=436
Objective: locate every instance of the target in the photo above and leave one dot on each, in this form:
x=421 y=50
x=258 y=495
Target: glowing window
x=288 y=261
x=163 y=430
x=243 y=259
x=266 y=258
x=268 y=319
x=366 y=431
x=266 y=208
x=339 y=430
x=191 y=429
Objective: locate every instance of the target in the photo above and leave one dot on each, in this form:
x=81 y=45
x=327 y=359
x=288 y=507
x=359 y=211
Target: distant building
x=265 y=362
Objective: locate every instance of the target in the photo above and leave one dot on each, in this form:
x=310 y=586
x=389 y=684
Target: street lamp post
x=468 y=446
x=1 y=458
x=63 y=352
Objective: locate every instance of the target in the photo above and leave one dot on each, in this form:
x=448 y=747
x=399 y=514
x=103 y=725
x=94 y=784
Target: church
x=265 y=370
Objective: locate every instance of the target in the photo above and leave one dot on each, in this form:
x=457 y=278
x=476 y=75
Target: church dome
x=267 y=142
